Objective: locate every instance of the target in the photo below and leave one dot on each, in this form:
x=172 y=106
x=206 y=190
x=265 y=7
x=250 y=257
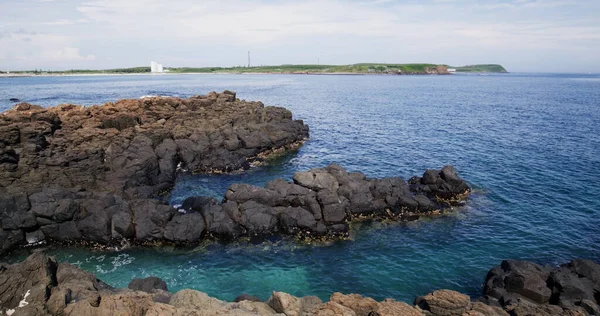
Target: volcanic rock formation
x=66 y=172
x=42 y=286
x=91 y=174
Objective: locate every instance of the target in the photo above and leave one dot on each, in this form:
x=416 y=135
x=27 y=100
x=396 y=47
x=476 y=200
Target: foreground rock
x=525 y=288
x=91 y=173
x=41 y=286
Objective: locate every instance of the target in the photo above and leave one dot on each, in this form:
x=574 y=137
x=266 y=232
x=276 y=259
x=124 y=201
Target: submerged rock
x=149 y=284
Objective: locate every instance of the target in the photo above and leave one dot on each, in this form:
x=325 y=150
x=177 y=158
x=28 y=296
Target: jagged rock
x=126 y=303
x=294 y=219
x=40 y=286
x=316 y=179
x=241 y=193
x=481 y=309
x=150 y=217
x=332 y=309
x=148 y=285
x=574 y=282
x=284 y=303
x=390 y=307
x=252 y=307
x=130 y=149
x=122 y=225
x=362 y=306
x=525 y=278
x=444 y=303
x=334 y=206
x=290 y=305
x=190 y=299
x=74 y=285
x=257 y=218
x=198 y=203
x=523 y=307
x=185 y=228
x=219 y=223
x=246 y=297
x=24 y=286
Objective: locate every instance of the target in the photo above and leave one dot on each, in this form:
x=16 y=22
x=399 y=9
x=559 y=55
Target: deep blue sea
x=529 y=145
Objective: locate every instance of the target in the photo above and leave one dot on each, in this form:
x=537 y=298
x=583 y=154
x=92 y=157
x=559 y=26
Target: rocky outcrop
x=92 y=173
x=133 y=147
x=319 y=203
x=323 y=201
x=525 y=288
x=41 y=286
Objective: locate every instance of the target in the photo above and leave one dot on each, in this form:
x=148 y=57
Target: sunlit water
x=529 y=144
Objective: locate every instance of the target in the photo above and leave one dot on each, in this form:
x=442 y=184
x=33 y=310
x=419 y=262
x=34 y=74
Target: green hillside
x=361 y=68
x=353 y=68
x=480 y=68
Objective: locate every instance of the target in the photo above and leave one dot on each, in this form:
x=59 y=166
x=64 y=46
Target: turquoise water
x=528 y=143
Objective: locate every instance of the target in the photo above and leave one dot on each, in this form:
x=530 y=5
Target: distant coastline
x=353 y=69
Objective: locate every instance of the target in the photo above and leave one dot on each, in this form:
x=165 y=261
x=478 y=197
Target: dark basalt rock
x=74 y=173
x=525 y=288
x=91 y=174
x=307 y=207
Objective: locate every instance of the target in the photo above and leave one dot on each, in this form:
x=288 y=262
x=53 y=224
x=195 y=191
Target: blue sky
x=522 y=35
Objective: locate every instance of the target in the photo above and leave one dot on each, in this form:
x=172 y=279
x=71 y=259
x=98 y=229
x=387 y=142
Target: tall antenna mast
x=248 y=59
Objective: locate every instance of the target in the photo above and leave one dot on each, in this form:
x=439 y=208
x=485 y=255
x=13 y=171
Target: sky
x=522 y=35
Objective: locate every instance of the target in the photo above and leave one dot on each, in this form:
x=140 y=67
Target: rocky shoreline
x=41 y=286
x=95 y=175
x=72 y=169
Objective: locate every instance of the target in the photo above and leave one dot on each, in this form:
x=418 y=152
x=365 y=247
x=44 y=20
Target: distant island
x=362 y=68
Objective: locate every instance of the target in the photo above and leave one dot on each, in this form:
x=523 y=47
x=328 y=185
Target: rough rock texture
x=318 y=203
x=321 y=202
x=293 y=306
x=90 y=173
x=444 y=303
x=41 y=286
x=525 y=288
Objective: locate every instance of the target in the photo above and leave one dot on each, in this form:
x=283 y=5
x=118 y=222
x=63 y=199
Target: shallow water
x=527 y=143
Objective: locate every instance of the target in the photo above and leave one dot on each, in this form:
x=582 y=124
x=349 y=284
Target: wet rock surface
x=41 y=286
x=91 y=173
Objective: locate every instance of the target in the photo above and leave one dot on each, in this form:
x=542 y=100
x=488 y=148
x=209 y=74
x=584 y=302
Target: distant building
x=156 y=67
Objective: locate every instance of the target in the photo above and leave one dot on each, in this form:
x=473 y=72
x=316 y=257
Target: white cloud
x=348 y=31
x=66 y=54
x=65 y=22
x=33 y=49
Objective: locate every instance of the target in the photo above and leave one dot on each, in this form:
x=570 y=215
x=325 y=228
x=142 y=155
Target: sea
x=528 y=144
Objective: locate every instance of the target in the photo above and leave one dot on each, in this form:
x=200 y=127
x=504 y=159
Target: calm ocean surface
x=529 y=144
